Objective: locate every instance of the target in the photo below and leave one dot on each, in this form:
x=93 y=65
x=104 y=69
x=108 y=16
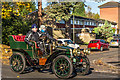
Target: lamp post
x=73 y=29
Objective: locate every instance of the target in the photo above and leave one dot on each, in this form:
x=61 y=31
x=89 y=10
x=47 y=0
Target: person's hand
x=31 y=44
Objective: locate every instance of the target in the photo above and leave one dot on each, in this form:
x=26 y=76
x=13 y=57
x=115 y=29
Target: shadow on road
x=117 y=63
x=33 y=69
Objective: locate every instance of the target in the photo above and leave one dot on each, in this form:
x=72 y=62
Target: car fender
x=55 y=54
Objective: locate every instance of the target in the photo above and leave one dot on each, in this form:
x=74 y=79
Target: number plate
x=93 y=47
x=113 y=42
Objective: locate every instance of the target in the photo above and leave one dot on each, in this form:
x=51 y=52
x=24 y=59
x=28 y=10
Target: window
x=80 y=22
x=88 y=23
x=68 y=41
x=102 y=41
x=62 y=21
x=95 y=23
x=93 y=41
x=74 y=21
x=85 y=22
x=77 y=22
x=59 y=42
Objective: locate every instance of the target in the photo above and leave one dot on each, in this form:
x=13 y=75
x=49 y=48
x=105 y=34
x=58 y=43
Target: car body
x=62 y=60
x=99 y=44
x=115 y=43
x=69 y=42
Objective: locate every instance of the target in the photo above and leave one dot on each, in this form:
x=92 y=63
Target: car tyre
x=101 y=48
x=17 y=63
x=62 y=62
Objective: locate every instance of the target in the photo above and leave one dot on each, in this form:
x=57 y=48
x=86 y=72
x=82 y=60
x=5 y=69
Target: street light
x=73 y=26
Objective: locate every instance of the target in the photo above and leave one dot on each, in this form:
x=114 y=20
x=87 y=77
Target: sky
x=92 y=4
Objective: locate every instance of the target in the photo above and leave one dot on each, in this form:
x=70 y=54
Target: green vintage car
x=61 y=59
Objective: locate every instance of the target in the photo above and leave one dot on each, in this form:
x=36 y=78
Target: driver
x=34 y=35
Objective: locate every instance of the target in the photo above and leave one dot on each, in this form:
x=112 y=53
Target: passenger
x=35 y=35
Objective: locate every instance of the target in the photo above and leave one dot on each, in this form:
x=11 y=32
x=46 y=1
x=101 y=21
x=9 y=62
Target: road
x=112 y=53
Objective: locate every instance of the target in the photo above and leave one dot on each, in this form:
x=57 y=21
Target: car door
x=104 y=45
x=101 y=43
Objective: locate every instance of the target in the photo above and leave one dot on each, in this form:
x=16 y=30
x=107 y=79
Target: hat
x=41 y=27
x=34 y=26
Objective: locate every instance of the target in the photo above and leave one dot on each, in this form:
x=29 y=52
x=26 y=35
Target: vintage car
x=62 y=60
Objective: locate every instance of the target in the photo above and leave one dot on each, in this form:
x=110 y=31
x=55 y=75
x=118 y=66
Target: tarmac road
x=113 y=52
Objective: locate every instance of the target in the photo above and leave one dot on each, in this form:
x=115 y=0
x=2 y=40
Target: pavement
x=106 y=61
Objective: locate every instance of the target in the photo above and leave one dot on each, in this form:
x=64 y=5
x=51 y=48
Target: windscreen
x=68 y=41
x=59 y=42
x=93 y=41
x=113 y=40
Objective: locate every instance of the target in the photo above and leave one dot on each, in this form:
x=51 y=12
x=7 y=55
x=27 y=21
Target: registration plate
x=93 y=47
x=113 y=42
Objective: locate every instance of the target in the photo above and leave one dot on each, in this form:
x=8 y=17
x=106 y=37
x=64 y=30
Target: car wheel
x=85 y=67
x=62 y=67
x=119 y=46
x=108 y=47
x=17 y=63
x=101 y=49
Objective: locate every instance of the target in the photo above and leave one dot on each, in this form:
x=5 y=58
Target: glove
x=54 y=40
x=31 y=44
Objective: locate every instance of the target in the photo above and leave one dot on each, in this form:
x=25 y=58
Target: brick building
x=111 y=11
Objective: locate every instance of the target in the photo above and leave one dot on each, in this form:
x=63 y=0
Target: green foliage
x=96 y=16
x=89 y=14
x=79 y=10
x=109 y=39
x=104 y=31
x=15 y=24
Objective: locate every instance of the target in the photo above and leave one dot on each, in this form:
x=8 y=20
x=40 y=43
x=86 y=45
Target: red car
x=98 y=44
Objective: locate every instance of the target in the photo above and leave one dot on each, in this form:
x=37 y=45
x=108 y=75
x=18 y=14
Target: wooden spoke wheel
x=17 y=63
x=62 y=67
x=85 y=66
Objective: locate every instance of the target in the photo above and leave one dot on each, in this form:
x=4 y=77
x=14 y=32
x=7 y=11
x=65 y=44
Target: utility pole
x=73 y=29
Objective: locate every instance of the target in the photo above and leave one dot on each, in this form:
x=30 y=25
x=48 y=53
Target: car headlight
x=87 y=51
x=84 y=50
x=76 y=52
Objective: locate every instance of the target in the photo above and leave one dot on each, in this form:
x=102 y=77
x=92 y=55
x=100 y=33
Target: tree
x=104 y=31
x=80 y=10
x=55 y=12
x=39 y=13
x=96 y=16
x=14 y=19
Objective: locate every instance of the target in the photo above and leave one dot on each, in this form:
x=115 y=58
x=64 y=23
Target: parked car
x=115 y=43
x=98 y=44
x=69 y=42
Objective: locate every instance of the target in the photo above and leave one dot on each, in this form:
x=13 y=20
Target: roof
x=110 y=4
x=96 y=39
x=63 y=39
x=98 y=20
x=80 y=17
